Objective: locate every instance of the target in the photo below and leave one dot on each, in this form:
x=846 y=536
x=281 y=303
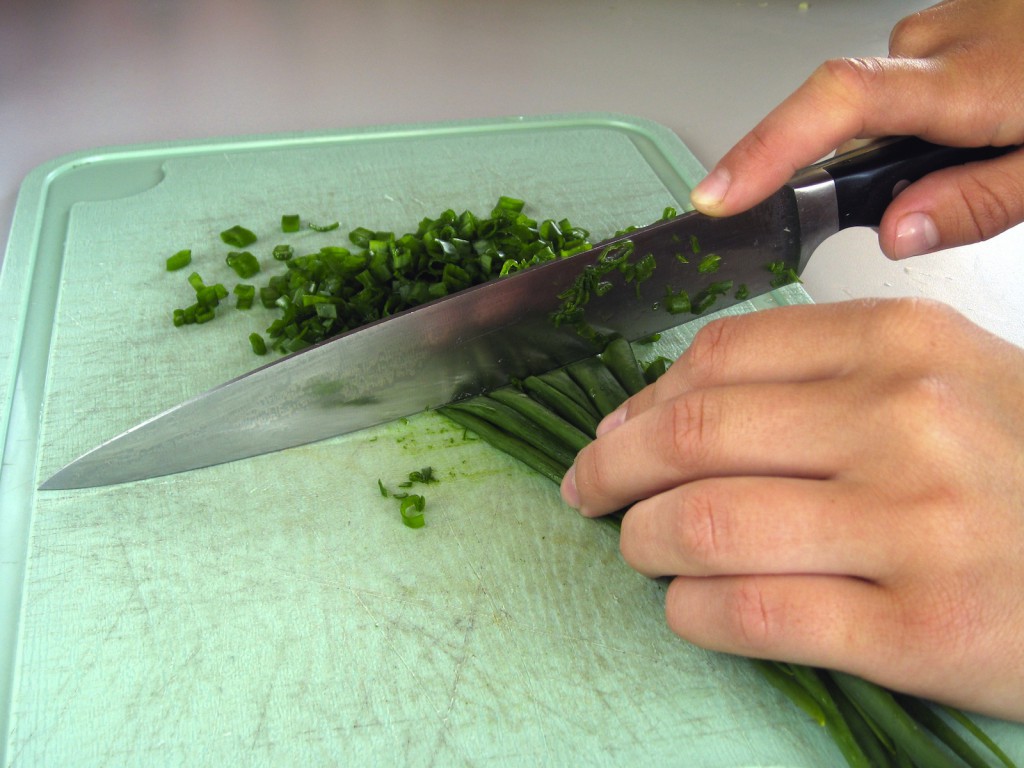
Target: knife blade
x=488 y=335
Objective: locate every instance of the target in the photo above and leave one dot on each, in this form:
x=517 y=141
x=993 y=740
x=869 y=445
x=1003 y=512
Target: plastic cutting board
x=275 y=611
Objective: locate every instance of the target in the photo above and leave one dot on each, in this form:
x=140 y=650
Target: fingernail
x=916 y=233
x=711 y=191
x=611 y=421
x=570 y=494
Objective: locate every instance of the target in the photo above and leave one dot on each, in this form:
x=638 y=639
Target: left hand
x=836 y=485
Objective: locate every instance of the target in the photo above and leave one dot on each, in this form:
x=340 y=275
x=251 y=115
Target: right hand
x=954 y=76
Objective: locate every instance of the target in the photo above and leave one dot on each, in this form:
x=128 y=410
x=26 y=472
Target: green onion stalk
x=543 y=421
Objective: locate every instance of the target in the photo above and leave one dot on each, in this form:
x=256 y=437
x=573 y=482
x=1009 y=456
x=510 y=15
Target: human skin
x=843 y=485
x=955 y=76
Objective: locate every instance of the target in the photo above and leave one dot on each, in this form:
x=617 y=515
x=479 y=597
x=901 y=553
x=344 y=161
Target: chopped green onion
x=324 y=227
x=243 y=262
x=676 y=303
x=290 y=222
x=412 y=510
x=656 y=368
x=259 y=346
x=706 y=298
x=179 y=260
x=425 y=475
x=784 y=274
x=709 y=264
x=238 y=236
x=244 y=295
x=283 y=252
x=510 y=204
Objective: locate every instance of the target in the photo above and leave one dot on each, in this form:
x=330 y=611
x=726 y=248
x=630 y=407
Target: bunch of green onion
x=545 y=420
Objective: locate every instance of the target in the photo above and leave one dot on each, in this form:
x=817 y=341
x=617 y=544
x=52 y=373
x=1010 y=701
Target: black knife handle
x=868 y=178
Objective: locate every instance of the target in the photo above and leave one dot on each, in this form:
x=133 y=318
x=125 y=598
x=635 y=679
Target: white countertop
x=116 y=72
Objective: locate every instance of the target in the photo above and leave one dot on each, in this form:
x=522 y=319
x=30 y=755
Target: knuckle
x=751 y=619
x=691 y=429
x=987 y=199
x=701 y=528
x=912 y=36
x=922 y=405
x=942 y=618
x=895 y=326
x=852 y=79
x=706 y=357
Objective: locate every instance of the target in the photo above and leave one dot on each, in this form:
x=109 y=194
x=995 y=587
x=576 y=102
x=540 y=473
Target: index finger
x=843 y=99
x=792 y=344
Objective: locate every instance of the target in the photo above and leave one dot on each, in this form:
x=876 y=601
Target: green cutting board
x=275 y=611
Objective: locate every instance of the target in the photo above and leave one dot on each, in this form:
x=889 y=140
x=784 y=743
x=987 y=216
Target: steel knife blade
x=486 y=336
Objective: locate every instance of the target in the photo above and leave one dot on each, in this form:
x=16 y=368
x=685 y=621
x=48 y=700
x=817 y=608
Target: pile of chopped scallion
x=376 y=273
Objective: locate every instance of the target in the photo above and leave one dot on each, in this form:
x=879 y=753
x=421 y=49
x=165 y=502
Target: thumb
x=955 y=206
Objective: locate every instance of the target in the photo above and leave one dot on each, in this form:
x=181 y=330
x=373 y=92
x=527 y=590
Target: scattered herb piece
x=244 y=295
x=412 y=510
x=324 y=227
x=283 y=252
x=259 y=346
x=290 y=222
x=694 y=245
x=784 y=274
x=677 y=303
x=179 y=260
x=742 y=293
x=641 y=270
x=208 y=297
x=243 y=262
x=709 y=264
x=704 y=300
x=411 y=505
x=238 y=236
x=425 y=475
x=656 y=368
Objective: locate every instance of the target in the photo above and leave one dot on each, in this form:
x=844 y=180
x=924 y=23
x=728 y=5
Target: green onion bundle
x=543 y=421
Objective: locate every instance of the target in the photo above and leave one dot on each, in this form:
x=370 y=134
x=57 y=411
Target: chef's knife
x=488 y=335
